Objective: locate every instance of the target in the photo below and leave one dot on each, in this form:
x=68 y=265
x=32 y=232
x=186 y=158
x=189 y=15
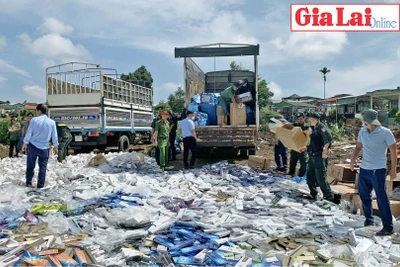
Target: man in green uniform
x=320 y=139
x=153 y=127
x=161 y=138
x=64 y=139
x=228 y=97
x=299 y=156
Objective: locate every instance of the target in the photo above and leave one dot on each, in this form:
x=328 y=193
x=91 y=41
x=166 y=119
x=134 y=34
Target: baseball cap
x=314 y=115
x=371 y=116
x=237 y=84
x=300 y=115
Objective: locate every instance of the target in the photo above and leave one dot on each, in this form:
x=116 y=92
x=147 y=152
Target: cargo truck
x=102 y=111
x=241 y=138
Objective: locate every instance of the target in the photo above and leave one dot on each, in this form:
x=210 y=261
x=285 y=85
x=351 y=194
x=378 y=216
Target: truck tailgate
x=227 y=136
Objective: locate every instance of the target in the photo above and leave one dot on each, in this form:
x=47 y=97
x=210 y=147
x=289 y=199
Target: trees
x=141 y=75
x=324 y=71
x=234 y=66
x=177 y=101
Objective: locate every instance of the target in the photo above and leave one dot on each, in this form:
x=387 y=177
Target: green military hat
x=314 y=115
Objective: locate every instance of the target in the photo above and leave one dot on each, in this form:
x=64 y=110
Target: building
x=289 y=108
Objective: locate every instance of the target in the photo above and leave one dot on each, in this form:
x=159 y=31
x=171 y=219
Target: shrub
x=4 y=124
x=266 y=115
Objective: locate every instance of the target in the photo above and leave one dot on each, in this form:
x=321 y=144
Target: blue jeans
x=225 y=107
x=33 y=154
x=375 y=179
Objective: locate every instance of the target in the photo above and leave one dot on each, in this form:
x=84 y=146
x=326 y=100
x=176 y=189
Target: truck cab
x=102 y=111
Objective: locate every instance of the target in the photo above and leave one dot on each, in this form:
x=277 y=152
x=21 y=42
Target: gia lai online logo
x=344 y=17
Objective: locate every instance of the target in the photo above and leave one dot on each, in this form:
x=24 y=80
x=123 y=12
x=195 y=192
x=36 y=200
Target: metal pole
x=256 y=85
x=215 y=66
x=324 y=86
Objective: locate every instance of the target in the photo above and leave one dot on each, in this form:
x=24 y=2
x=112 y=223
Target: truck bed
x=227 y=136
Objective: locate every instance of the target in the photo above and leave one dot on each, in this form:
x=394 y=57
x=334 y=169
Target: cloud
x=165 y=90
x=8 y=67
x=52 y=25
x=312 y=46
x=53 y=47
x=276 y=89
x=358 y=79
x=3 y=42
x=35 y=91
x=3 y=79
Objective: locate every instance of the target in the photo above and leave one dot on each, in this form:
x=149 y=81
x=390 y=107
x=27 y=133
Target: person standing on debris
x=24 y=129
x=299 y=156
x=41 y=130
x=153 y=127
x=374 y=141
x=64 y=139
x=228 y=97
x=14 y=134
x=320 y=139
x=188 y=131
x=280 y=153
x=173 y=120
x=161 y=138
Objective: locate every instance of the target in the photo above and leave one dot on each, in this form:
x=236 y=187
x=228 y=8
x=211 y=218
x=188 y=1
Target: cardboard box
x=221 y=120
x=351 y=121
x=395 y=207
x=219 y=110
x=238 y=115
x=342 y=172
x=291 y=137
x=259 y=162
x=98 y=160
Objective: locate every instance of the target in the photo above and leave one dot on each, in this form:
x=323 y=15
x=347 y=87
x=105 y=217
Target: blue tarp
x=211 y=111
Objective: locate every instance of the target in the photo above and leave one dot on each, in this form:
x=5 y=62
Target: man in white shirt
x=188 y=131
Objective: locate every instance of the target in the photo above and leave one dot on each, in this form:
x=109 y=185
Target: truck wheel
x=252 y=152
x=124 y=143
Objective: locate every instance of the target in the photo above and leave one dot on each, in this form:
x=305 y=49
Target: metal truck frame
x=101 y=110
x=236 y=137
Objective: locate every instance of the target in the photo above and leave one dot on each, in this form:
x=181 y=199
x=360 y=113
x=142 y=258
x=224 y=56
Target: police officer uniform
x=316 y=173
x=64 y=139
x=153 y=126
x=173 y=120
x=299 y=156
x=163 y=128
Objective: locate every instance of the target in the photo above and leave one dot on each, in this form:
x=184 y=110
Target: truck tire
x=124 y=143
x=252 y=152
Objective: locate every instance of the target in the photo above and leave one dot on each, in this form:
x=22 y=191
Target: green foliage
x=341 y=133
x=324 y=70
x=234 y=66
x=397 y=117
x=4 y=125
x=393 y=112
x=177 y=100
x=264 y=94
x=266 y=115
x=141 y=75
x=332 y=115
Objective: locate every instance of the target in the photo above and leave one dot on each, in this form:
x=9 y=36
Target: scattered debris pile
x=126 y=212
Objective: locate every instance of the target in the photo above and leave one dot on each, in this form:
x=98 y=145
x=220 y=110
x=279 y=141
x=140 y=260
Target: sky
x=127 y=34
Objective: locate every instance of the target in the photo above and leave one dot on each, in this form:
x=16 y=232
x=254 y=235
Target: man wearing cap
x=320 y=139
x=299 y=156
x=228 y=97
x=250 y=105
x=64 y=139
x=161 y=138
x=374 y=140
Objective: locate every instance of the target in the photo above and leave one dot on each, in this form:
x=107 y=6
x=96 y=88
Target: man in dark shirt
x=299 y=156
x=320 y=140
x=173 y=122
x=153 y=127
x=250 y=105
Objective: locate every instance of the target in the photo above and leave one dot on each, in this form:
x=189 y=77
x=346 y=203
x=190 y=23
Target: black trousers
x=189 y=144
x=13 y=145
x=172 y=149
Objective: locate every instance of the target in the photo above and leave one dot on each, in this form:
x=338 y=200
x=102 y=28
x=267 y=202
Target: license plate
x=78 y=138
